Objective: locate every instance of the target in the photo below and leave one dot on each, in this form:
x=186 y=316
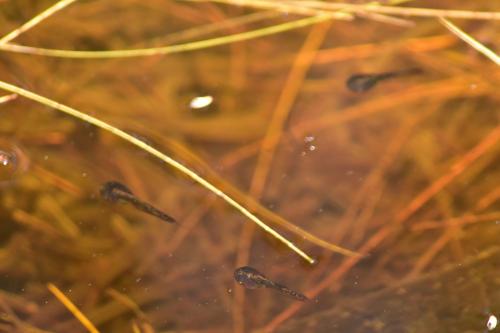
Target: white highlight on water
x=492 y=323
x=201 y=102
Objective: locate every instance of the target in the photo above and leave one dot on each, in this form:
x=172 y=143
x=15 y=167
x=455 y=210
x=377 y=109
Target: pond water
x=402 y=170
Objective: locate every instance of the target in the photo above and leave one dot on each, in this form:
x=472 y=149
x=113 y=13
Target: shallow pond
x=402 y=170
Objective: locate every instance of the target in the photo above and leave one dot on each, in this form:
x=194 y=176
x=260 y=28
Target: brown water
x=406 y=172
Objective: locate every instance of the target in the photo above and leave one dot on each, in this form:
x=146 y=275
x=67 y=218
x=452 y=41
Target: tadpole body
x=251 y=278
x=114 y=191
x=363 y=82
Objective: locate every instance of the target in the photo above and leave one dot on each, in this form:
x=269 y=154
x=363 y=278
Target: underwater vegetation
x=348 y=150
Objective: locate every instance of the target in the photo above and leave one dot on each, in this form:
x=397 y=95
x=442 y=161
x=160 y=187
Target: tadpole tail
x=386 y=75
x=287 y=291
x=149 y=209
x=408 y=72
x=401 y=73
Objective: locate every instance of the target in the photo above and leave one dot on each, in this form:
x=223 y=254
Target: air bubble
x=309 y=138
x=12 y=162
x=7 y=159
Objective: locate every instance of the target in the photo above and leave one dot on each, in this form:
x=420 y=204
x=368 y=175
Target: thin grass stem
x=36 y=20
x=7 y=98
x=404 y=11
x=72 y=308
x=168 y=49
x=470 y=40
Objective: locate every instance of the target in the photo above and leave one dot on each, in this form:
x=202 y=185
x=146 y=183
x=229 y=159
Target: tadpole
x=251 y=278
x=114 y=191
x=363 y=82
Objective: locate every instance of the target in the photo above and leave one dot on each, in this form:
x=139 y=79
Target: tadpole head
x=248 y=277
x=361 y=82
x=111 y=190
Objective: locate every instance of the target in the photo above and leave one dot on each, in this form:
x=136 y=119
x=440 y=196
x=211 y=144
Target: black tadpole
x=363 y=82
x=114 y=191
x=251 y=278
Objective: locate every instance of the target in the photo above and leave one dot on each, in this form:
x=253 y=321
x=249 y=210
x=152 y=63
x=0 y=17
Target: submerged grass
x=405 y=172
x=144 y=146
x=72 y=308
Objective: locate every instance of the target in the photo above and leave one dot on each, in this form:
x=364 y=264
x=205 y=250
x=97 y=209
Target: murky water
x=405 y=172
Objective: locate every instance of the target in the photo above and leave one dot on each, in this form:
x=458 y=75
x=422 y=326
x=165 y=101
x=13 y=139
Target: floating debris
x=251 y=278
x=114 y=191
